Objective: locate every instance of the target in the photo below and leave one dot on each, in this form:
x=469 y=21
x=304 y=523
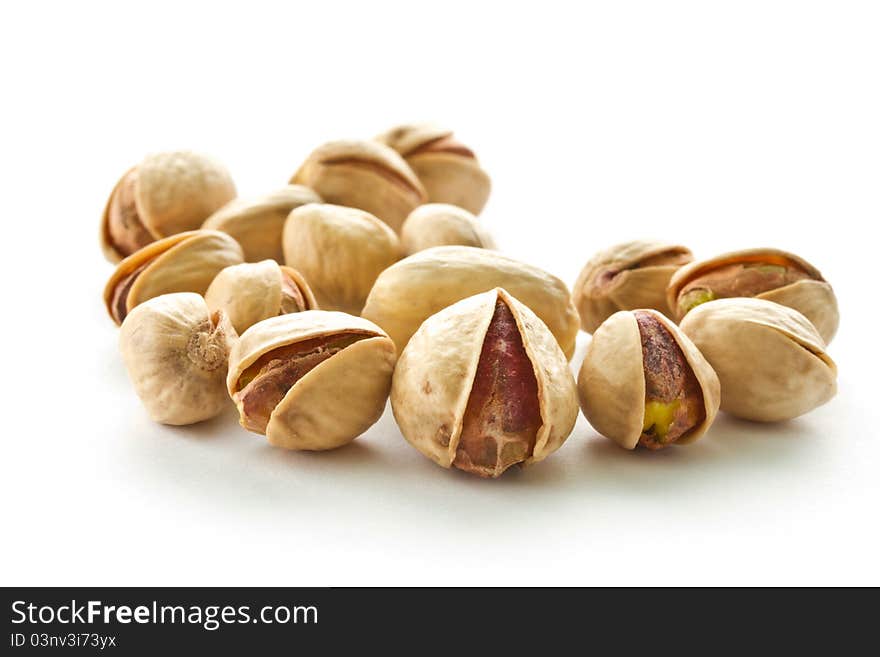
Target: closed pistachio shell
x=626 y=277
x=253 y=291
x=176 y=353
x=441 y=224
x=770 y=359
x=313 y=380
x=185 y=262
x=410 y=291
x=366 y=175
x=483 y=385
x=167 y=193
x=623 y=355
x=257 y=223
x=340 y=251
x=769 y=274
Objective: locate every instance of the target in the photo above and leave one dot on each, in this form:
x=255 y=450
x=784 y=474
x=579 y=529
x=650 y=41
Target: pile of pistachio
x=369 y=275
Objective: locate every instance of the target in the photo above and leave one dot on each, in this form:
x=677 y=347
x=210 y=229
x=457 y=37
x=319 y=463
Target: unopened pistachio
x=441 y=224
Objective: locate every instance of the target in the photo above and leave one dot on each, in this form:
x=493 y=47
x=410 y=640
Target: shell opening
x=292 y=298
x=669 y=258
x=387 y=173
x=119 y=299
x=446 y=144
x=126 y=231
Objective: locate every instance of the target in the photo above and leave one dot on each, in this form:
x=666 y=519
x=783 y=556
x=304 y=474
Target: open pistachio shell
x=483 y=385
x=167 y=193
x=769 y=274
x=448 y=169
x=176 y=353
x=770 y=359
x=612 y=382
x=366 y=175
x=340 y=251
x=441 y=224
x=410 y=291
x=313 y=380
x=185 y=262
x=253 y=291
x=626 y=277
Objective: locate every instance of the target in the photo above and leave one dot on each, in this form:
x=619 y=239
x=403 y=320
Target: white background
x=719 y=125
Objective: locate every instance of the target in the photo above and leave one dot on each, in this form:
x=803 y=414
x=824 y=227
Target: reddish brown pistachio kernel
x=443 y=145
x=119 y=302
x=503 y=415
x=292 y=299
x=126 y=231
x=386 y=172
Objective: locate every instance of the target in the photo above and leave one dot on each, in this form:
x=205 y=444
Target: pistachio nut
x=410 y=291
x=340 y=251
x=253 y=291
x=770 y=359
x=313 y=380
x=448 y=169
x=643 y=382
x=441 y=224
x=483 y=385
x=185 y=262
x=768 y=274
x=167 y=193
x=257 y=223
x=176 y=352
x=366 y=175
x=626 y=277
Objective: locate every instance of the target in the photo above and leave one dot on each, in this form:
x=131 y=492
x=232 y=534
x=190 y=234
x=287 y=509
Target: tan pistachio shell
x=176 y=352
x=441 y=224
x=433 y=378
x=611 y=381
x=175 y=192
x=770 y=359
x=337 y=400
x=632 y=287
x=366 y=175
x=448 y=177
x=185 y=262
x=814 y=297
x=410 y=291
x=252 y=291
x=257 y=223
x=340 y=251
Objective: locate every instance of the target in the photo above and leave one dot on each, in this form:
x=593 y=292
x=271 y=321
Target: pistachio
x=483 y=385
x=166 y=194
x=768 y=274
x=366 y=175
x=770 y=359
x=441 y=224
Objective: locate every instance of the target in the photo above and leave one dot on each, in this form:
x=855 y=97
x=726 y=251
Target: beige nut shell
x=175 y=192
x=770 y=359
x=337 y=400
x=433 y=378
x=814 y=298
x=251 y=292
x=611 y=381
x=185 y=262
x=366 y=175
x=642 y=287
x=442 y=224
x=176 y=351
x=410 y=291
x=340 y=251
x=257 y=223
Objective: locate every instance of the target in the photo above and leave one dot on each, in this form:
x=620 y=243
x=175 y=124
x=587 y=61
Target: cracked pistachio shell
x=611 y=381
x=257 y=223
x=186 y=262
x=340 y=251
x=176 y=352
x=167 y=193
x=366 y=175
x=811 y=296
x=441 y=224
x=626 y=277
x=448 y=169
x=253 y=291
x=770 y=359
x=410 y=291
x=333 y=402
x=435 y=376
